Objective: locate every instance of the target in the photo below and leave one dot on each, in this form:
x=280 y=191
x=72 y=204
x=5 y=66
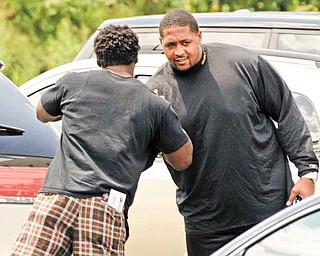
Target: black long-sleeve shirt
x=229 y=106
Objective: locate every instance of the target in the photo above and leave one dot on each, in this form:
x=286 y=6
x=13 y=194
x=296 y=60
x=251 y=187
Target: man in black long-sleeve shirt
x=228 y=99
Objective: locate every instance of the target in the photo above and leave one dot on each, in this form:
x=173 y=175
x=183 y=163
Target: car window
x=299 y=238
x=149 y=39
x=309 y=113
x=299 y=42
x=252 y=38
x=142 y=78
x=247 y=39
x=35 y=98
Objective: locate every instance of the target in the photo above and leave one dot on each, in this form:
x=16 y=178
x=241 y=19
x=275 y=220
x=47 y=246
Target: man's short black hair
x=116 y=45
x=178 y=17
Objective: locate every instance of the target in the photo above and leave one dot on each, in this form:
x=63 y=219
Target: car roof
x=290 y=20
x=26 y=135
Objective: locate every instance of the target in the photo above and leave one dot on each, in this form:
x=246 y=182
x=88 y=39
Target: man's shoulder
x=77 y=75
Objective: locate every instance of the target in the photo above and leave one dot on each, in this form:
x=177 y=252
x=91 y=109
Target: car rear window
x=299 y=42
x=247 y=39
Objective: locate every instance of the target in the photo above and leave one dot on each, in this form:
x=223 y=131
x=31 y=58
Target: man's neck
x=122 y=70
x=196 y=67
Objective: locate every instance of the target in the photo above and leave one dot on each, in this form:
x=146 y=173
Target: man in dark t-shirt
x=113 y=127
x=228 y=100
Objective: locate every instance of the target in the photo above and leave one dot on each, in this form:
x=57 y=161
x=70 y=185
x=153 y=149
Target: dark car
x=27 y=147
x=288 y=31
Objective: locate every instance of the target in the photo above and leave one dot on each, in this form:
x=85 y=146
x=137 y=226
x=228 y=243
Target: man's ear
x=199 y=35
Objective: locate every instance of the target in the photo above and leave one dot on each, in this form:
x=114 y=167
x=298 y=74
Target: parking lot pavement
x=155 y=230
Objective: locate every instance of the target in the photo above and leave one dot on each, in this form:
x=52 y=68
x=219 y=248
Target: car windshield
x=301 y=237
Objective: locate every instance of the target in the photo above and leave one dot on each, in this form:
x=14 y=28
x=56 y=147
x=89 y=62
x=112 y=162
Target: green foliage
x=40 y=34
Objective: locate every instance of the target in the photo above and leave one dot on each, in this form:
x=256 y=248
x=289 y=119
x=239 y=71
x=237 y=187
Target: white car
x=155 y=224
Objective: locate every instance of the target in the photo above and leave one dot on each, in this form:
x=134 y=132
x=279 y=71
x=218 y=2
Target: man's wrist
x=311 y=175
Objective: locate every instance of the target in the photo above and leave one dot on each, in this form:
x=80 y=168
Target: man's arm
x=180 y=159
x=292 y=131
x=44 y=116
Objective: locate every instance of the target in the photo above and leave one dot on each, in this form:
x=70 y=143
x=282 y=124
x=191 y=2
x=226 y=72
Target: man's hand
x=304 y=187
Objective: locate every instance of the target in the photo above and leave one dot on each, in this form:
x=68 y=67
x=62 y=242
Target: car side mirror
x=310 y=115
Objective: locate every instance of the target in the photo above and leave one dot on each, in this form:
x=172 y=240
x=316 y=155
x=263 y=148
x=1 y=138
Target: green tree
x=40 y=34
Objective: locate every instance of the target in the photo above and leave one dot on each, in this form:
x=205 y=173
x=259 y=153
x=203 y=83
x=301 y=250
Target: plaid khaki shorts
x=61 y=225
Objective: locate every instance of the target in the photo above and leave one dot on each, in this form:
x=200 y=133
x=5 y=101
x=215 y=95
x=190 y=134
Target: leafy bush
x=41 y=34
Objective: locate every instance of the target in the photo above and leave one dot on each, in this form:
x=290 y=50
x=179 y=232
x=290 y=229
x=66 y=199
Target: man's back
x=110 y=127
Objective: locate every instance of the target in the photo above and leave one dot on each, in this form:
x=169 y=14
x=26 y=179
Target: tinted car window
x=248 y=39
x=301 y=237
x=299 y=42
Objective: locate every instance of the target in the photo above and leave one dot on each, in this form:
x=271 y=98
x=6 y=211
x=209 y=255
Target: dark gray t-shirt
x=240 y=173
x=112 y=130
